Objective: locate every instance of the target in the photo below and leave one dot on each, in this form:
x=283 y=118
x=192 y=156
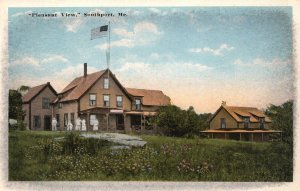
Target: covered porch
x=109 y=119
x=142 y=121
x=256 y=135
x=118 y=120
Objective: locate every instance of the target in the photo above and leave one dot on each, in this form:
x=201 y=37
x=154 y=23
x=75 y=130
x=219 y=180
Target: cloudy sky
x=197 y=56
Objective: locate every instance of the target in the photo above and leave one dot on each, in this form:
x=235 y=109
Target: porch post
x=212 y=135
x=252 y=137
x=107 y=121
x=88 y=121
x=141 y=122
x=124 y=119
x=262 y=136
x=240 y=136
x=225 y=136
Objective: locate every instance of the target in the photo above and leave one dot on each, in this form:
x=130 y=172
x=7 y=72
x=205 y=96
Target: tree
x=15 y=105
x=23 y=89
x=192 y=121
x=282 y=119
x=204 y=121
x=173 y=121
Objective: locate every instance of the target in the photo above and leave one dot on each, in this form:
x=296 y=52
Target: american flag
x=99 y=32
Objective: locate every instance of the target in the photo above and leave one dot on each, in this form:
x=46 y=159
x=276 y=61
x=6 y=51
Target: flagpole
x=108 y=63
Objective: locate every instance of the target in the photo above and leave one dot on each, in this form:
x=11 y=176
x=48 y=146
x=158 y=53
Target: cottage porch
x=256 y=135
x=118 y=120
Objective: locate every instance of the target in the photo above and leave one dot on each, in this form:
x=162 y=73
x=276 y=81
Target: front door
x=47 y=122
x=120 y=121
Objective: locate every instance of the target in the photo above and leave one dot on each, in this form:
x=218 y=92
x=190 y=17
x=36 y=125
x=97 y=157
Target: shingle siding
x=37 y=110
x=113 y=91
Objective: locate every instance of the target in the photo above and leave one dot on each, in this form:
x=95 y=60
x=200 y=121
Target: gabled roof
x=238 y=113
x=80 y=85
x=150 y=97
x=35 y=91
x=71 y=85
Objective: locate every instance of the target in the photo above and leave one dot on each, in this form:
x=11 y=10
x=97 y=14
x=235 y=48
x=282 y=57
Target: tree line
x=174 y=121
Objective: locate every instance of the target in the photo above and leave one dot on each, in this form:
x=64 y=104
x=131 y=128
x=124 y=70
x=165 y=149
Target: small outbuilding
x=240 y=123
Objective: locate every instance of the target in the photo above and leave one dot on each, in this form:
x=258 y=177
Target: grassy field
x=41 y=156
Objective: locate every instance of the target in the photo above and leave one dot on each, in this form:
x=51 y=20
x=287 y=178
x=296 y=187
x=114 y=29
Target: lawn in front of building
x=40 y=155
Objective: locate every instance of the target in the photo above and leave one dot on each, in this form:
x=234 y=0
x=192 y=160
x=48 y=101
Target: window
x=223 y=123
x=72 y=118
x=57 y=119
x=106 y=100
x=37 y=121
x=106 y=83
x=261 y=122
x=92 y=119
x=93 y=99
x=46 y=103
x=246 y=122
x=119 y=101
x=65 y=120
x=137 y=104
x=60 y=105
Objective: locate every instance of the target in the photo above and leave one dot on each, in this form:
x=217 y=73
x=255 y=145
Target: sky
x=198 y=56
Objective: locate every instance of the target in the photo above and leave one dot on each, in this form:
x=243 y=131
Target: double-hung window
x=106 y=100
x=223 y=123
x=46 y=103
x=119 y=101
x=137 y=104
x=72 y=118
x=93 y=99
x=106 y=83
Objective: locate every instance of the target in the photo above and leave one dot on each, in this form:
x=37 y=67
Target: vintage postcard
x=186 y=97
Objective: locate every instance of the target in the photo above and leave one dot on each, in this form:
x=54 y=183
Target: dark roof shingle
x=80 y=85
x=150 y=97
x=34 y=91
x=238 y=112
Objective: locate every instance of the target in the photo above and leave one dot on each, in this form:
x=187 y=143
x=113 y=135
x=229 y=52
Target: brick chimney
x=85 y=69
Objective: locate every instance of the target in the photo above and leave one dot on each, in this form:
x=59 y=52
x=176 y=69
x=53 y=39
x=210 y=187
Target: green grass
x=37 y=156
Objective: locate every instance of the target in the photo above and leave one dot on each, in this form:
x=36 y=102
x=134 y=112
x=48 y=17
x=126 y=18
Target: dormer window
x=261 y=122
x=137 y=104
x=106 y=83
x=246 y=122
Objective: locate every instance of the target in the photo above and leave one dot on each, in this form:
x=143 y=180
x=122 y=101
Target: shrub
x=173 y=121
x=21 y=126
x=71 y=143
